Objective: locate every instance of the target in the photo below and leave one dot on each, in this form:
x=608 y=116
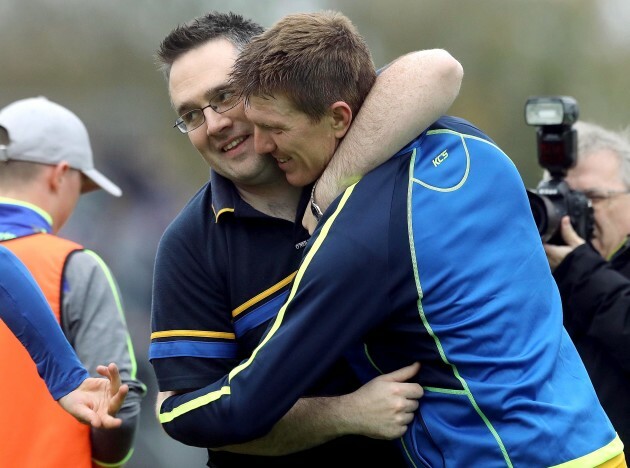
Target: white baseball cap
x=42 y=131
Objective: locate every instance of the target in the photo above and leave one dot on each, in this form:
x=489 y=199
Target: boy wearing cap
x=45 y=165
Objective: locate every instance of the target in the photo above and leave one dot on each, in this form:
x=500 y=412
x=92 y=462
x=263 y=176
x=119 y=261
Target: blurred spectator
x=45 y=165
x=594 y=277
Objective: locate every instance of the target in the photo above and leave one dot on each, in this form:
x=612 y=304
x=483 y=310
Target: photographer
x=594 y=278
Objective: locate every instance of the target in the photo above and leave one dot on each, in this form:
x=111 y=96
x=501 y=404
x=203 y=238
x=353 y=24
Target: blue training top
x=432 y=257
x=26 y=312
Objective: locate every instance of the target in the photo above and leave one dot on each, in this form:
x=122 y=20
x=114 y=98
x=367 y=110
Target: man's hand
x=381 y=409
x=557 y=253
x=96 y=401
x=385 y=406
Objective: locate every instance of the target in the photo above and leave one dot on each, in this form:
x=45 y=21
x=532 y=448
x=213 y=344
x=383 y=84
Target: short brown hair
x=314 y=59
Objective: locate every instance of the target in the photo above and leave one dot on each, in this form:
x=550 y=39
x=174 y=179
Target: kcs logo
x=440 y=158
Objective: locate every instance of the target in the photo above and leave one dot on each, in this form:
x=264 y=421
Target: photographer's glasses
x=601 y=195
x=221 y=102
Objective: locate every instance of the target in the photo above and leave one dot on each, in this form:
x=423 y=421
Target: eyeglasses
x=601 y=195
x=222 y=102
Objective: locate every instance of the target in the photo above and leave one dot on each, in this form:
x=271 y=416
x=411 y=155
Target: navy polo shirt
x=222 y=271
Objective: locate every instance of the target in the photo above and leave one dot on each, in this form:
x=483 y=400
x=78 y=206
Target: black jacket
x=596 y=303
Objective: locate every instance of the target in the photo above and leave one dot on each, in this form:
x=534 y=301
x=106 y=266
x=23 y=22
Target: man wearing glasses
x=594 y=278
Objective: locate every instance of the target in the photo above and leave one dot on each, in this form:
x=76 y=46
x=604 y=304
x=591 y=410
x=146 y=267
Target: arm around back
x=380 y=409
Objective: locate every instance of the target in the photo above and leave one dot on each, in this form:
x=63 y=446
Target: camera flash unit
x=551 y=110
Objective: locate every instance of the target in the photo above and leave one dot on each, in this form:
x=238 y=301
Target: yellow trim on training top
x=597 y=458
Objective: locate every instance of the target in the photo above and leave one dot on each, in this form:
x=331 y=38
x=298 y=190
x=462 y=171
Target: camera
x=556 y=140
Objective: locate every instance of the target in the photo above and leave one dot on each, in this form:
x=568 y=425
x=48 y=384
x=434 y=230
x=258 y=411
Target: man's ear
x=341 y=118
x=57 y=174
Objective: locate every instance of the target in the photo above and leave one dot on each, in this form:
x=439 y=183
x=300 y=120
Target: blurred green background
x=97 y=58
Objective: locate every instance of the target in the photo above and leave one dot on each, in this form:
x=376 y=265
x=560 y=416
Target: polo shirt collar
x=224 y=195
x=226 y=199
x=18 y=218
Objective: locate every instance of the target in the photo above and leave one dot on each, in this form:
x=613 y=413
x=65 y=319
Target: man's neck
x=279 y=200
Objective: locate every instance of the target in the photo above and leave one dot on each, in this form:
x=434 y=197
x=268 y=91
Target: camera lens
x=545 y=214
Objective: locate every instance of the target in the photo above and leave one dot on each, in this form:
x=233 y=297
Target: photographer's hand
x=557 y=253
